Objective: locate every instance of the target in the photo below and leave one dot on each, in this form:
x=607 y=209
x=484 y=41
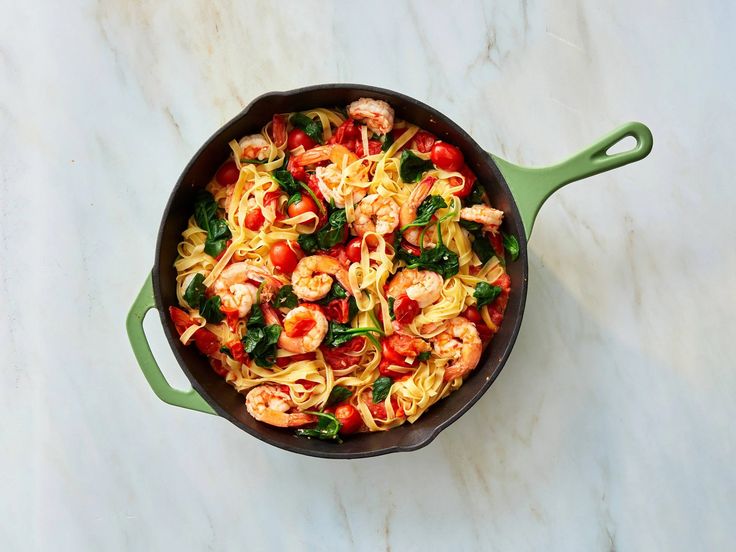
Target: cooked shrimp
x=424 y=286
x=407 y=345
x=461 y=343
x=312 y=277
x=269 y=404
x=254 y=146
x=377 y=114
x=234 y=289
x=376 y=214
x=489 y=217
x=294 y=337
x=337 y=153
x=330 y=183
x=408 y=213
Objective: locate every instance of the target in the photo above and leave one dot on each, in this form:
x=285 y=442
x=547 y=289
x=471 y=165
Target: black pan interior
x=221 y=396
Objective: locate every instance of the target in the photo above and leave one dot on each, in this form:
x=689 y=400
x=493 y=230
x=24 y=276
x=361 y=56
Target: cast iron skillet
x=518 y=191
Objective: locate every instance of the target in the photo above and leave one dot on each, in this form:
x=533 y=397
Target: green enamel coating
x=532 y=186
x=186 y=399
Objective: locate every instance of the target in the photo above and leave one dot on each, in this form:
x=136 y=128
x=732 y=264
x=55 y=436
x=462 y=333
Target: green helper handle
x=186 y=399
x=532 y=186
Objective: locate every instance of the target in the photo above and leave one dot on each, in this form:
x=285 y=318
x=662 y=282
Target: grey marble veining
x=611 y=427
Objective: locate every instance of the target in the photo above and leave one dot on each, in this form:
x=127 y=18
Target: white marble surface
x=611 y=427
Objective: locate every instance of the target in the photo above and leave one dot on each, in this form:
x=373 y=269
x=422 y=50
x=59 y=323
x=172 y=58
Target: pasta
x=343 y=270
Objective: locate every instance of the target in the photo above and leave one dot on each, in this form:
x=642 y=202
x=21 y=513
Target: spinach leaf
x=412 y=167
x=470 y=226
x=388 y=141
x=428 y=207
x=511 y=245
x=439 y=259
x=326 y=429
x=422 y=357
x=339 y=334
x=338 y=395
x=210 y=309
x=286 y=180
x=352 y=307
x=381 y=387
x=485 y=293
x=336 y=292
x=260 y=344
x=256 y=319
x=391 y=301
x=483 y=248
x=312 y=127
x=285 y=298
x=218 y=232
x=329 y=235
x=476 y=195
x=195 y=291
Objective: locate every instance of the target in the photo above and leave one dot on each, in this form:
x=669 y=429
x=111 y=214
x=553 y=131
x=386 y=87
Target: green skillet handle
x=532 y=186
x=186 y=399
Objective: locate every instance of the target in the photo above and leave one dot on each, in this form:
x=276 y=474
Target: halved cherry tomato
x=378 y=410
x=446 y=156
x=496 y=317
x=339 y=252
x=349 y=417
x=472 y=314
x=497 y=243
x=304 y=205
x=278 y=129
x=306 y=383
x=424 y=141
x=346 y=132
x=405 y=309
x=484 y=332
x=254 y=220
x=296 y=170
x=227 y=174
x=281 y=362
x=285 y=255
x=271 y=197
x=297 y=137
x=180 y=319
x=237 y=351
x=470 y=179
x=301 y=327
x=338 y=310
x=206 y=341
x=385 y=370
x=390 y=355
x=338 y=357
x=353 y=249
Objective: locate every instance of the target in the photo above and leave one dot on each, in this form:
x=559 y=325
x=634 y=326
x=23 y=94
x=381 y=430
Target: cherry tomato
x=278 y=129
x=413 y=249
x=284 y=257
x=305 y=383
x=271 y=197
x=472 y=314
x=378 y=410
x=180 y=319
x=304 y=205
x=374 y=147
x=353 y=249
x=385 y=370
x=446 y=157
x=496 y=317
x=218 y=367
x=232 y=315
x=405 y=309
x=390 y=355
x=346 y=132
x=237 y=351
x=470 y=179
x=297 y=137
x=338 y=357
x=484 y=332
x=349 y=417
x=254 y=220
x=424 y=141
x=227 y=174
x=497 y=243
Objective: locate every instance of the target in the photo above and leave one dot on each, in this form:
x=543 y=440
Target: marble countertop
x=611 y=427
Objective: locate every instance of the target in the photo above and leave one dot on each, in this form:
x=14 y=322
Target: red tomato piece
x=297 y=137
x=446 y=156
x=470 y=179
x=271 y=197
x=206 y=341
x=281 y=362
x=349 y=417
x=413 y=249
x=231 y=316
x=374 y=147
x=405 y=309
x=497 y=243
x=496 y=317
x=346 y=132
x=424 y=141
x=285 y=255
x=314 y=186
x=472 y=314
x=237 y=351
x=338 y=310
x=227 y=174
x=278 y=129
x=390 y=355
x=219 y=368
x=378 y=410
x=339 y=252
x=304 y=205
x=180 y=319
x=306 y=383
